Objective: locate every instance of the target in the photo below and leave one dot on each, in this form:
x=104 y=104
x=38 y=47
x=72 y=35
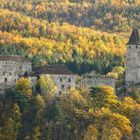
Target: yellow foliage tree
x=48 y=87
x=23 y=86
x=91 y=133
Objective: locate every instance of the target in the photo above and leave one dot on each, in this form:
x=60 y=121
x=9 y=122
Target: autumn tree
x=23 y=86
x=48 y=87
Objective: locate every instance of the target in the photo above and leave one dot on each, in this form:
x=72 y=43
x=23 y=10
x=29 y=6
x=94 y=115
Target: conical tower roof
x=134 y=38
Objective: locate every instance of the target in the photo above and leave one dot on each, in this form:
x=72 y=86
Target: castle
x=14 y=67
x=133 y=59
x=63 y=78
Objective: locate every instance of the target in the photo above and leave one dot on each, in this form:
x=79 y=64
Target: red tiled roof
x=58 y=69
x=13 y=58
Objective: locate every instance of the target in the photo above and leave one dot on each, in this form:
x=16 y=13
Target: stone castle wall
x=62 y=82
x=11 y=71
x=91 y=81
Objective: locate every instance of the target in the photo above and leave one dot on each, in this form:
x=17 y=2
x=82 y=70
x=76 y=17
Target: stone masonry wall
x=133 y=64
x=90 y=81
x=10 y=72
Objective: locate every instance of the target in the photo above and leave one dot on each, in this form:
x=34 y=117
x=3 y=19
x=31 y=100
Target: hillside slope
x=105 y=15
x=54 y=32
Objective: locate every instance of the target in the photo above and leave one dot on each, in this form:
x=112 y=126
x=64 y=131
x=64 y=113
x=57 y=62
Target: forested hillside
x=41 y=30
x=107 y=15
x=79 y=115
x=86 y=35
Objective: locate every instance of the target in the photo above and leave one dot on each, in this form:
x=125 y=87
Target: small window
x=63 y=86
x=10 y=73
x=20 y=67
x=60 y=79
x=3 y=73
x=26 y=74
x=136 y=46
x=69 y=80
x=59 y=92
x=38 y=88
x=129 y=47
x=5 y=80
x=15 y=80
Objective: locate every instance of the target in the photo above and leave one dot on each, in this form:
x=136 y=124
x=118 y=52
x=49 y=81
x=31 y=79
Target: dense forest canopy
x=80 y=114
x=105 y=15
x=71 y=32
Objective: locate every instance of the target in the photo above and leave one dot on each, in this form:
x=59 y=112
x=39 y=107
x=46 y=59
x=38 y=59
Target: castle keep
x=133 y=59
x=63 y=78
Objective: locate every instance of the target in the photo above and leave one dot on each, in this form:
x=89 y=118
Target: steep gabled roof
x=134 y=38
x=13 y=58
x=57 y=69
